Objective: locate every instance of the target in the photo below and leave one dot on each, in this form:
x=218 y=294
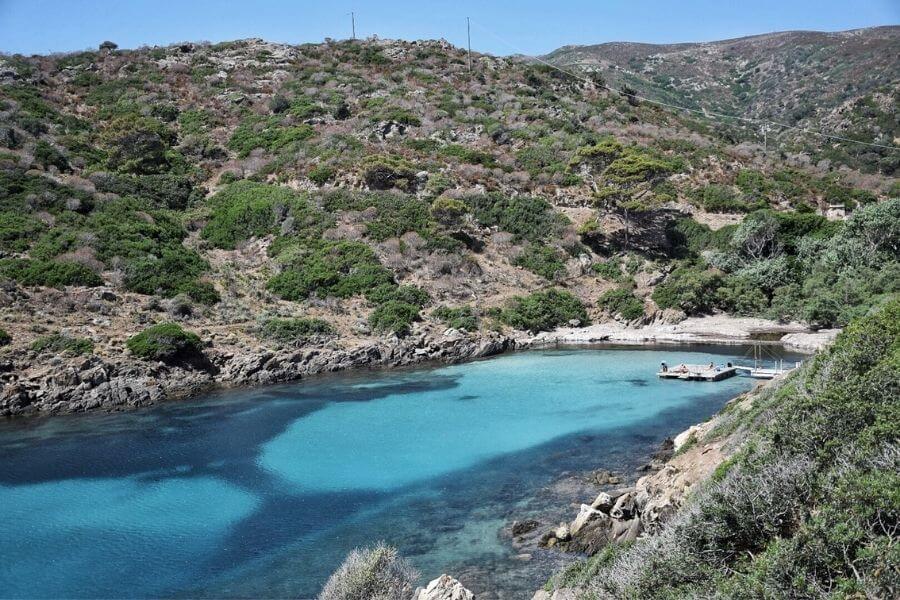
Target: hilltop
x=843 y=82
x=253 y=212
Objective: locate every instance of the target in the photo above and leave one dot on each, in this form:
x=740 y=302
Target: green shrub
x=59 y=343
x=460 y=317
x=340 y=269
x=809 y=504
x=409 y=294
x=48 y=155
x=321 y=174
x=546 y=261
x=610 y=270
x=269 y=134
x=163 y=191
x=17 y=231
x=526 y=217
x=245 y=209
x=295 y=330
x=166 y=342
x=689 y=288
x=5 y=338
x=622 y=303
x=543 y=311
x=395 y=214
x=394 y=316
x=383 y=172
x=722 y=199
x=175 y=272
x=48 y=273
x=469 y=155
x=448 y=211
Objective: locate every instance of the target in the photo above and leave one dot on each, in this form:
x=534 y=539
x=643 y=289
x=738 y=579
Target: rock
x=444 y=588
x=562 y=533
x=522 y=527
x=624 y=507
x=587 y=515
x=603 y=502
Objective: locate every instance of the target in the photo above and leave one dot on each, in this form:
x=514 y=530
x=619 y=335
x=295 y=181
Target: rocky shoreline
x=93 y=383
x=70 y=385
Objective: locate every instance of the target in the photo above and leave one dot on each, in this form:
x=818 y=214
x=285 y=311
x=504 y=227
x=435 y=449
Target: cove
x=261 y=492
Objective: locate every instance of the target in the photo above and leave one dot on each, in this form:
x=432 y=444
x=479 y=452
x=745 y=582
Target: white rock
x=445 y=588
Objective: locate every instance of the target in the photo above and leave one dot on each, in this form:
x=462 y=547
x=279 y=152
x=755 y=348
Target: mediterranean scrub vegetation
x=808 y=507
x=166 y=342
x=370 y=573
x=266 y=179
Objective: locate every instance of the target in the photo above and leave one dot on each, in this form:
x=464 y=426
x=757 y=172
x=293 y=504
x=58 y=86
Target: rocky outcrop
x=625 y=513
x=78 y=385
x=444 y=588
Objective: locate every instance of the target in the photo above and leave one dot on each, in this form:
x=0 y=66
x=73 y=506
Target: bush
x=371 y=574
x=17 y=231
x=448 y=211
x=381 y=172
x=808 y=506
x=173 y=273
x=622 y=303
x=526 y=217
x=245 y=209
x=461 y=317
x=545 y=261
x=166 y=342
x=321 y=174
x=543 y=311
x=409 y=294
x=395 y=214
x=610 y=270
x=689 y=288
x=295 y=330
x=48 y=273
x=5 y=338
x=59 y=343
x=47 y=155
x=269 y=134
x=163 y=191
x=395 y=316
x=340 y=269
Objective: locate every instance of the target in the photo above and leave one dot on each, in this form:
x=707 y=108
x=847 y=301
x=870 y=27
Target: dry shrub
x=377 y=573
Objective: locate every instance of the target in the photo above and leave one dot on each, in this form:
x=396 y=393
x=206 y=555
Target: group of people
x=682 y=368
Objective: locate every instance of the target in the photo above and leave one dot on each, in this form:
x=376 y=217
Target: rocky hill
x=248 y=211
x=844 y=82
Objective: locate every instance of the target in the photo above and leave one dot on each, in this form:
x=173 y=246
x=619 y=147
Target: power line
x=703 y=112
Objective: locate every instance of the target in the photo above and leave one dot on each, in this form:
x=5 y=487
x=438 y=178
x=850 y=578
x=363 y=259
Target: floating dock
x=698 y=373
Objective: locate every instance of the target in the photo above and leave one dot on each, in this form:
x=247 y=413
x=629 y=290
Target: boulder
x=603 y=502
x=586 y=516
x=444 y=588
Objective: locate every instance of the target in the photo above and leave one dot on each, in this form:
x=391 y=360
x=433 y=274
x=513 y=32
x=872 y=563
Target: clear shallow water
x=260 y=493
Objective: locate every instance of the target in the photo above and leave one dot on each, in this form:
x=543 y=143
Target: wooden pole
x=469 y=38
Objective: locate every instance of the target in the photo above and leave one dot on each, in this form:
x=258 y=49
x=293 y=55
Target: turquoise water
x=260 y=493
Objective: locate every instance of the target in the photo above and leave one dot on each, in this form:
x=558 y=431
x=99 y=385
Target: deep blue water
x=261 y=492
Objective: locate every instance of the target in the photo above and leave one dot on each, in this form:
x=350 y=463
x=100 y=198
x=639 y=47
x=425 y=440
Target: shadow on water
x=293 y=538
x=452 y=511
x=198 y=435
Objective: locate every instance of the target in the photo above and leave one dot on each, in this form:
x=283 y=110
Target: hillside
x=263 y=211
x=844 y=82
x=800 y=498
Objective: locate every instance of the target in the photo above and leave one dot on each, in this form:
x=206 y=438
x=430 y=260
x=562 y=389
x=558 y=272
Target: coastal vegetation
x=166 y=342
x=808 y=505
x=369 y=573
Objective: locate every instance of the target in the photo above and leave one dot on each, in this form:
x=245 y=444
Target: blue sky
x=529 y=26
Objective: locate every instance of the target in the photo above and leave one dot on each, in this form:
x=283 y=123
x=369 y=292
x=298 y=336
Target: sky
x=524 y=26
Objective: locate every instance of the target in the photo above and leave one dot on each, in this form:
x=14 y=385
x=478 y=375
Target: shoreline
x=92 y=383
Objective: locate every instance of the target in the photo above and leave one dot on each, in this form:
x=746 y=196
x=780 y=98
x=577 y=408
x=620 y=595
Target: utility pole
x=353 y=25
x=469 y=37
